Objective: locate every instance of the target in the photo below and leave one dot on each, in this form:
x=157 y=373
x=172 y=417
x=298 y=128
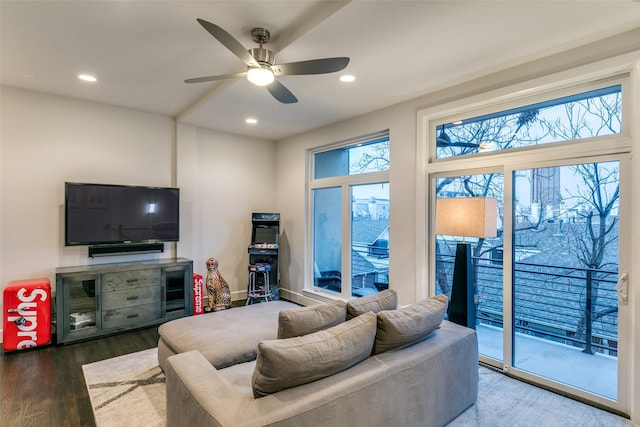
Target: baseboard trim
x=235 y=295
x=305 y=298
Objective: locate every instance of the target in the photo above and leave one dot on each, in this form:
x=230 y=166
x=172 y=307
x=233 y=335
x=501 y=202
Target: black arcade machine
x=264 y=277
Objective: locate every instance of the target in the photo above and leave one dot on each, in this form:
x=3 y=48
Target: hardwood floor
x=45 y=386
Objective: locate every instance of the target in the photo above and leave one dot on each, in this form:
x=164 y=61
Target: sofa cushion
x=397 y=328
x=291 y=362
x=300 y=321
x=223 y=337
x=385 y=300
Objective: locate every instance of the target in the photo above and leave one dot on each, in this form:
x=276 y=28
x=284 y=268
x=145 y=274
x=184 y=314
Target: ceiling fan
x=262 y=69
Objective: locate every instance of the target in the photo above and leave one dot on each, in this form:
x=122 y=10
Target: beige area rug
x=129 y=390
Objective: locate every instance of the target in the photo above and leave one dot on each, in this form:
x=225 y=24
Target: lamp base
x=462 y=305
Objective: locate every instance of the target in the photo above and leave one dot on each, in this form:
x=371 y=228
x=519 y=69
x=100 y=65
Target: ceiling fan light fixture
x=260 y=76
x=261 y=69
x=87 y=78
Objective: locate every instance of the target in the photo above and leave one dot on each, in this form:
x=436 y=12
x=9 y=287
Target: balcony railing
x=569 y=305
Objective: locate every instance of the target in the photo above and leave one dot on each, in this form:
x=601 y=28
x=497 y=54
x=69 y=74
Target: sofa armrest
x=196 y=394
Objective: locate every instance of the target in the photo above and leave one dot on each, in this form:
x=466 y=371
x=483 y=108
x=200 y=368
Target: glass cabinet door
x=175 y=285
x=81 y=304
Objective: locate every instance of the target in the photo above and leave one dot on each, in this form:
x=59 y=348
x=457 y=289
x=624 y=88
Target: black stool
x=256 y=293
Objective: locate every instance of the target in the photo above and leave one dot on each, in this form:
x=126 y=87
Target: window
x=583 y=115
x=349 y=198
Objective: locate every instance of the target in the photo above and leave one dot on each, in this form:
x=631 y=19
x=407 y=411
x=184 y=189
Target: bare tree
x=597 y=193
x=594 y=230
x=376 y=159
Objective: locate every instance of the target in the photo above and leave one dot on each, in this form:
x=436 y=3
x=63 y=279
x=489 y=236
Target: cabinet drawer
x=126 y=316
x=131 y=279
x=129 y=297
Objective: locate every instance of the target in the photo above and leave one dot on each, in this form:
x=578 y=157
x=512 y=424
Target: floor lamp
x=465 y=217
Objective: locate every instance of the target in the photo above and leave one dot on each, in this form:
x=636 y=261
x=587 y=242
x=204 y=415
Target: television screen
x=265 y=234
x=103 y=214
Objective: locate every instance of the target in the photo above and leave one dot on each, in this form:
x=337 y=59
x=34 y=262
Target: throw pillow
x=295 y=361
x=295 y=322
x=385 y=300
x=397 y=328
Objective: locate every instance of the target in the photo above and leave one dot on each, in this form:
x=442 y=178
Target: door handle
x=622 y=287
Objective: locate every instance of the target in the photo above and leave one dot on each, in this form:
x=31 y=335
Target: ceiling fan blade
x=314 y=66
x=229 y=42
x=281 y=93
x=213 y=78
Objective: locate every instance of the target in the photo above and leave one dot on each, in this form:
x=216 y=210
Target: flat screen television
x=102 y=214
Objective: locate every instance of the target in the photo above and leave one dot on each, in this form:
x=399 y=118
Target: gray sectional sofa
x=364 y=363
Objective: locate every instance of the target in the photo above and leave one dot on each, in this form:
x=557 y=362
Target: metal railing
x=569 y=305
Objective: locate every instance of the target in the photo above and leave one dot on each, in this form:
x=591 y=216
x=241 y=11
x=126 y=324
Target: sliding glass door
x=547 y=287
x=566 y=262
x=550 y=289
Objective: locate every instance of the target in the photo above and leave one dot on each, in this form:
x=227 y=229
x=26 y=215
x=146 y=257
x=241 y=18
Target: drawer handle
x=132 y=298
x=131 y=316
x=132 y=280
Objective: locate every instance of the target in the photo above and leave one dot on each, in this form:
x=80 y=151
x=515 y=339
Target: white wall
x=223 y=178
x=46 y=140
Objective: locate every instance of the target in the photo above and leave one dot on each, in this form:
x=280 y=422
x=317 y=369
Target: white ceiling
x=141 y=51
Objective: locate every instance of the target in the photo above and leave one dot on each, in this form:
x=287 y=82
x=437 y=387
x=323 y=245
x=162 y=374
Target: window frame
x=345 y=183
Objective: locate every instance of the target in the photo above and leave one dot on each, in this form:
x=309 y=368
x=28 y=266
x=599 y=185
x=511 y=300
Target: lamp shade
x=466 y=216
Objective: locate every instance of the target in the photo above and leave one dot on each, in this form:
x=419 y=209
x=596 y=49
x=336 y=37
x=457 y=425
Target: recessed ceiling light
x=87 y=78
x=459 y=122
x=347 y=78
x=251 y=121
